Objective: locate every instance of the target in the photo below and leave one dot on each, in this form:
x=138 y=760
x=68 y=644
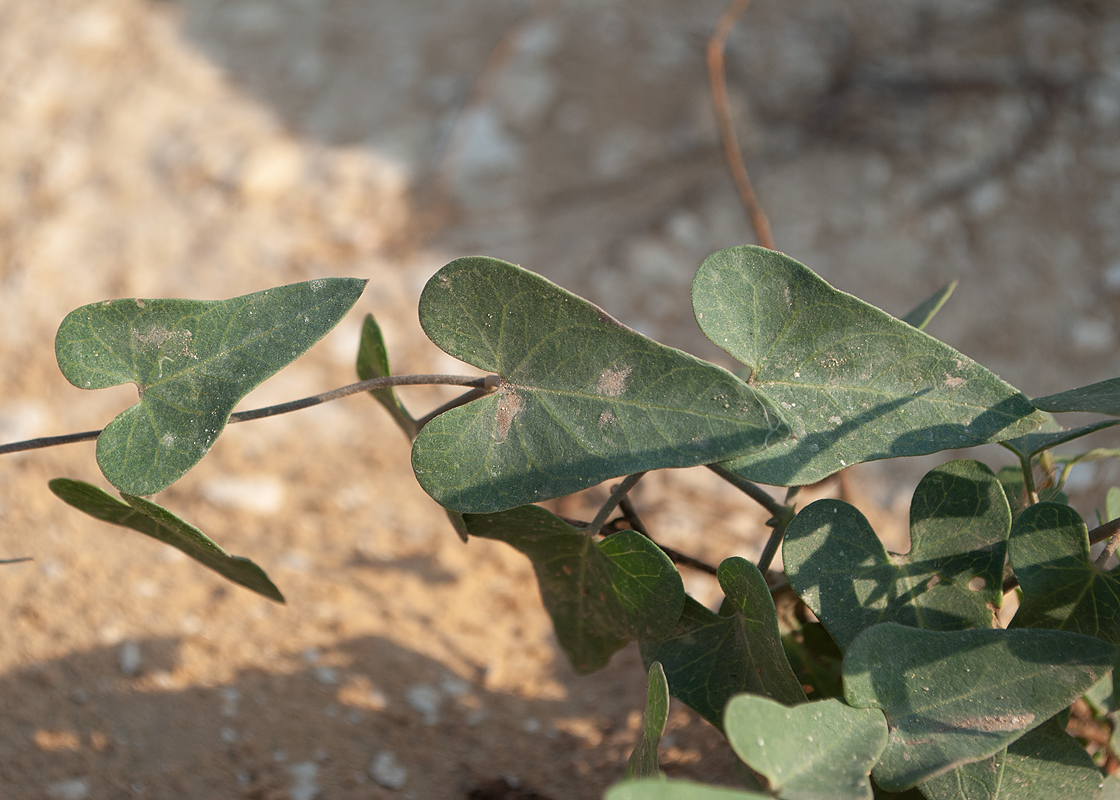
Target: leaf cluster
x=893 y=673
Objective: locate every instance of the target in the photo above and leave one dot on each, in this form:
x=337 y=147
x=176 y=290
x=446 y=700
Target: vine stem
x=752 y=490
x=717 y=77
x=484 y=384
x=608 y=508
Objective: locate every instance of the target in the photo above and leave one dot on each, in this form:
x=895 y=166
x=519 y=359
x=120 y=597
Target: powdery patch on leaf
x=509 y=404
x=612 y=382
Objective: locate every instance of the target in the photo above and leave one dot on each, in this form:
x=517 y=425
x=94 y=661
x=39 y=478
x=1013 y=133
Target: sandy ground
x=207 y=148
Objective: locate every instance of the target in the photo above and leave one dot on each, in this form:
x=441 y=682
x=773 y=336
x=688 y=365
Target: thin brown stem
x=15 y=560
x=717 y=76
x=608 y=508
x=487 y=383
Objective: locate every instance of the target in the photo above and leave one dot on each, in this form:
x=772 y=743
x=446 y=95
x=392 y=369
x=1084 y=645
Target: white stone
x=426 y=700
x=303 y=785
x=72 y=789
x=130 y=659
x=387 y=771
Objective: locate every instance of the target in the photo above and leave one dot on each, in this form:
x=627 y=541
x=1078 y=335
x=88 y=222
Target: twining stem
x=486 y=383
x=631 y=514
x=1109 y=549
x=718 y=79
x=1028 y=480
x=608 y=508
x=781 y=513
x=771 y=548
x=752 y=490
x=14 y=560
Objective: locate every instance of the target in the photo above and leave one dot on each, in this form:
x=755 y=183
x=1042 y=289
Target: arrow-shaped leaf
x=1098 y=398
x=810 y=751
x=710 y=658
x=643 y=761
x=855 y=383
x=952 y=698
x=159 y=523
x=951 y=579
x=923 y=314
x=373 y=362
x=1046 y=764
x=192 y=361
x=582 y=398
x=600 y=595
x=1051 y=434
x=1062 y=587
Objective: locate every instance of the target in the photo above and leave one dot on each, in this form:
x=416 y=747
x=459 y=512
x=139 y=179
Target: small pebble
x=129 y=659
x=387 y=771
x=303 y=785
x=426 y=700
x=328 y=676
x=72 y=789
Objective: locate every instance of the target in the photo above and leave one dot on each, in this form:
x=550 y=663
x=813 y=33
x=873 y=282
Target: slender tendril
x=485 y=384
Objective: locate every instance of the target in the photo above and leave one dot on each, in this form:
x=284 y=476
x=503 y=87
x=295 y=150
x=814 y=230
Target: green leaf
x=373 y=362
x=600 y=595
x=643 y=761
x=1062 y=588
x=855 y=383
x=710 y=658
x=1112 y=504
x=921 y=316
x=1097 y=398
x=1046 y=764
x=1052 y=434
x=191 y=361
x=1111 y=788
x=951 y=579
x=654 y=789
x=810 y=751
x=582 y=399
x=958 y=697
x=159 y=523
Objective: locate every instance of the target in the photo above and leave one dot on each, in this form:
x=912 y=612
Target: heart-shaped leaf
x=855 y=383
x=810 y=751
x=1046 y=764
x=952 y=698
x=951 y=579
x=655 y=789
x=373 y=362
x=710 y=658
x=922 y=314
x=192 y=361
x=600 y=595
x=582 y=398
x=643 y=761
x=159 y=523
x=1062 y=588
x=1097 y=398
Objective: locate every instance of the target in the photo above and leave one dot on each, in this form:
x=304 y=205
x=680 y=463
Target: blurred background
x=207 y=148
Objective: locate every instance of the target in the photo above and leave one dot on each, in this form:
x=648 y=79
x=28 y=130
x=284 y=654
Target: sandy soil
x=207 y=148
